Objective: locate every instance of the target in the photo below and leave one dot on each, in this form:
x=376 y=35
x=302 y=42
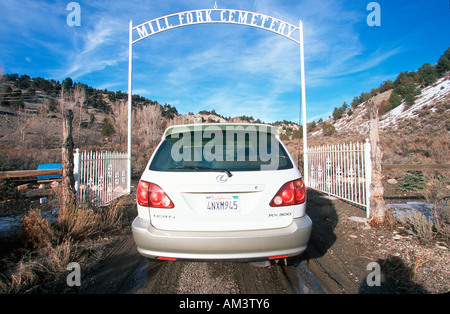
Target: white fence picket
x=100 y=176
x=341 y=170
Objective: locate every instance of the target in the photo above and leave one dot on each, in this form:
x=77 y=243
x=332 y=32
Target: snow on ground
x=11 y=224
x=358 y=122
x=429 y=96
x=408 y=208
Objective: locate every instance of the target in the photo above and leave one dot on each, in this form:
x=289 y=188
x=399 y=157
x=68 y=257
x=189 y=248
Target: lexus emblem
x=222 y=178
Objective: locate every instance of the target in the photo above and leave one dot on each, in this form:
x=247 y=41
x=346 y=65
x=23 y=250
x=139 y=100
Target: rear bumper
x=224 y=245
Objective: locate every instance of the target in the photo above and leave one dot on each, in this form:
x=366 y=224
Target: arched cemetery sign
x=193 y=17
x=208 y=16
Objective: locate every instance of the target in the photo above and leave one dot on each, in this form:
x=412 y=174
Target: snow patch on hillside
x=430 y=95
x=359 y=121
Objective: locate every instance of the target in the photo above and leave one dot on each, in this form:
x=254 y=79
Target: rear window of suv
x=220 y=149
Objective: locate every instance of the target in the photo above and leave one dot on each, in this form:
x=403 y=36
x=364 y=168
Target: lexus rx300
x=221 y=192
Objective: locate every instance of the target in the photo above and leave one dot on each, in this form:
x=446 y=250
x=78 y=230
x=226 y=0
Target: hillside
x=409 y=134
x=31 y=121
x=414 y=119
x=432 y=99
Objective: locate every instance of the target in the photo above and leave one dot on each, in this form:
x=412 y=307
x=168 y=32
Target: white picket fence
x=341 y=170
x=100 y=177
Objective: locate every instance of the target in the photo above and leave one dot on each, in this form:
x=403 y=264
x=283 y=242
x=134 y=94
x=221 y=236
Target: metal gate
x=100 y=177
x=341 y=170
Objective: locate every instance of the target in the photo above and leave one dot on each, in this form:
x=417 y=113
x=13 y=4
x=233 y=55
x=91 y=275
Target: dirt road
x=124 y=270
x=335 y=262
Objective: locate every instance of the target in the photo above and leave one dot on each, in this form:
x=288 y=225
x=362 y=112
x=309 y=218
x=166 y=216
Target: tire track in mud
x=215 y=278
x=125 y=271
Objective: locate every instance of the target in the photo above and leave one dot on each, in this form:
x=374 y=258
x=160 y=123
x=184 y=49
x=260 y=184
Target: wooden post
x=68 y=181
x=376 y=201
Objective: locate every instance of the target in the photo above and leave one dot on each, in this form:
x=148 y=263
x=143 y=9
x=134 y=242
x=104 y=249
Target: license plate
x=222 y=203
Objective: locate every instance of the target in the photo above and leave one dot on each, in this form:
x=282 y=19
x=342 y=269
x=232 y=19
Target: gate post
x=130 y=97
x=303 y=105
x=368 y=175
x=377 y=204
x=68 y=182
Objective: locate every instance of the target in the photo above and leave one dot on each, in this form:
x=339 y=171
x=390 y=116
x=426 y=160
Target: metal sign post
x=303 y=106
x=130 y=104
x=208 y=16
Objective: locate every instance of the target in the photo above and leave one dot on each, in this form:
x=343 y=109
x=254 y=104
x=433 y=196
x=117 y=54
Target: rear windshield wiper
x=198 y=168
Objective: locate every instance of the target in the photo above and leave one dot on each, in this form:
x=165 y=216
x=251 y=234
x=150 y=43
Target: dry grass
x=78 y=223
x=36 y=230
x=48 y=263
x=52 y=246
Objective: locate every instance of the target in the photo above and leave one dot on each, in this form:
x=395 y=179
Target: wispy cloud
x=232 y=68
x=100 y=49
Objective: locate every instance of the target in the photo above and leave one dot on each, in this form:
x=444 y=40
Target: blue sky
x=234 y=69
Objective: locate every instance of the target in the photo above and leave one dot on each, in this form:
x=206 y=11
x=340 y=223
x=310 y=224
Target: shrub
x=427 y=74
x=355 y=102
x=311 y=126
x=328 y=129
x=36 y=230
x=384 y=107
x=385 y=86
x=412 y=181
x=77 y=223
x=107 y=127
x=54 y=244
x=395 y=100
x=443 y=65
x=405 y=85
x=425 y=227
x=409 y=99
x=49 y=264
x=419 y=224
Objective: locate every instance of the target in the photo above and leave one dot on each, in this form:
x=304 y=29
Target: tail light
x=291 y=193
x=151 y=195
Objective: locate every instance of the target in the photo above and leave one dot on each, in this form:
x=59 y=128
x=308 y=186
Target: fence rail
x=29 y=173
x=100 y=177
x=342 y=170
x=420 y=167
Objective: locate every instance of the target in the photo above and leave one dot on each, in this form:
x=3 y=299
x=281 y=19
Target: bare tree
x=68 y=181
x=23 y=123
x=120 y=119
x=69 y=99
x=148 y=124
x=80 y=100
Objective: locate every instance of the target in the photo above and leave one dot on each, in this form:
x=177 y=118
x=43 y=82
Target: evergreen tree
x=67 y=83
x=107 y=127
x=443 y=65
x=395 y=99
x=355 y=102
x=427 y=74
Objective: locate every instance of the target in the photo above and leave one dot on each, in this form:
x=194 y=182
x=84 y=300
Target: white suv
x=221 y=192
